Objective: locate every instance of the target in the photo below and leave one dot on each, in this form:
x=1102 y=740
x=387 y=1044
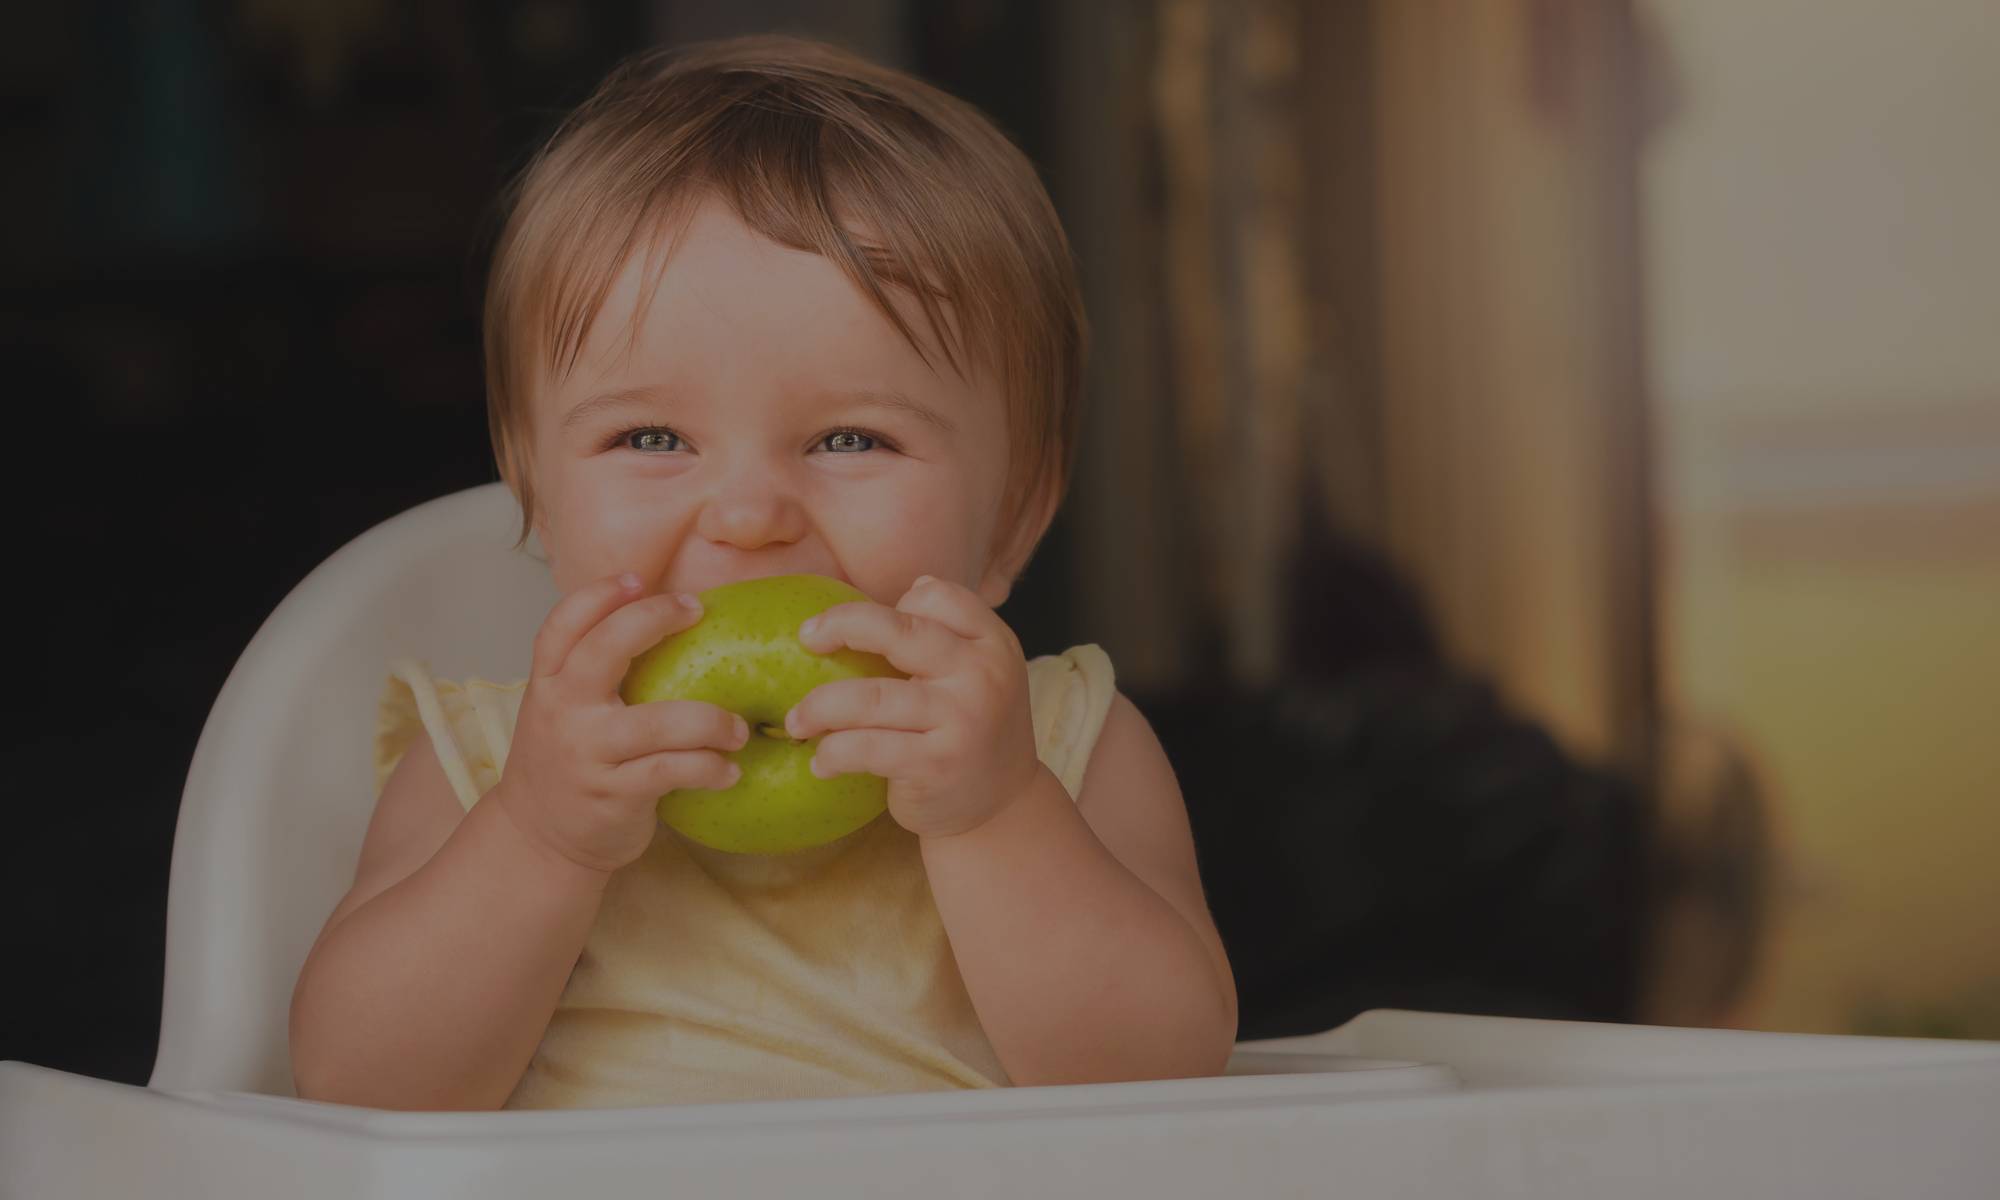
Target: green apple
x=744 y=655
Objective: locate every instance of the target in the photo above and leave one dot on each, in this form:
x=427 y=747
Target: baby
x=764 y=308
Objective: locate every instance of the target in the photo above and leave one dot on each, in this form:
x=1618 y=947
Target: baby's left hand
x=956 y=740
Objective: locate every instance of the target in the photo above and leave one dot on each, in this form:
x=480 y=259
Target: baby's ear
x=1013 y=551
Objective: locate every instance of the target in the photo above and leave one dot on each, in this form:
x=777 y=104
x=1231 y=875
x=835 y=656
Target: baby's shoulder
x=1070 y=695
x=468 y=723
x=415 y=813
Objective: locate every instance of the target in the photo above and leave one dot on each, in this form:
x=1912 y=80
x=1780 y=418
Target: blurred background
x=1541 y=478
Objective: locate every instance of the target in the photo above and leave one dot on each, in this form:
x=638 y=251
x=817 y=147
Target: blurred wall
x=877 y=29
x=1823 y=297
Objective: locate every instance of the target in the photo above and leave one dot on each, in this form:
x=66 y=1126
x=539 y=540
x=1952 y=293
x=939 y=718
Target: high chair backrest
x=281 y=786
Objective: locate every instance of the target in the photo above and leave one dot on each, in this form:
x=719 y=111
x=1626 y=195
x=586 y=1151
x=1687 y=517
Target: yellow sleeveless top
x=711 y=976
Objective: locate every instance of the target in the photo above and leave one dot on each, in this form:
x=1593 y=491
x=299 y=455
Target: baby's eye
x=848 y=441
x=650 y=439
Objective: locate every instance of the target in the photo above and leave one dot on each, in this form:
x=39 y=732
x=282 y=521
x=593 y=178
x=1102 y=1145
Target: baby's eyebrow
x=583 y=410
x=867 y=398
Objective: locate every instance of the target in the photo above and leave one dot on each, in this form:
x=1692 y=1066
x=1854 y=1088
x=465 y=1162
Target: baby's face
x=767 y=420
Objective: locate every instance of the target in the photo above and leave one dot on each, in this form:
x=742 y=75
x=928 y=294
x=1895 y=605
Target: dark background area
x=239 y=299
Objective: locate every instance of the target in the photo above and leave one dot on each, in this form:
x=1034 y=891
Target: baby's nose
x=748 y=514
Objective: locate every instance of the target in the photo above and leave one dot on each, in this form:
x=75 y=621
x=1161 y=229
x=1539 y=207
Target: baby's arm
x=1080 y=928
x=434 y=979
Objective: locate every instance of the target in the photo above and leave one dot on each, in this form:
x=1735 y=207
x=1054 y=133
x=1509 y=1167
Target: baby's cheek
x=962 y=534
x=603 y=531
x=884 y=547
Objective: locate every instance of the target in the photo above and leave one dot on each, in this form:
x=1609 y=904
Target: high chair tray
x=1391 y=1104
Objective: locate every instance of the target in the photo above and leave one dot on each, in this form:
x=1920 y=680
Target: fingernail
x=629 y=582
x=691 y=603
x=742 y=733
x=792 y=722
x=921 y=581
x=811 y=624
x=815 y=768
x=735 y=774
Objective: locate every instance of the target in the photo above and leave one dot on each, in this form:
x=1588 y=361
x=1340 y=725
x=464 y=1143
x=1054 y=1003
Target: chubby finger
x=856 y=703
x=600 y=660
x=953 y=606
x=642 y=729
x=890 y=753
x=668 y=770
x=575 y=615
x=913 y=645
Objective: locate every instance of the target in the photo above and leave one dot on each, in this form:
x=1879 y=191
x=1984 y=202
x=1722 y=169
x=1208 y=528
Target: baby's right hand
x=586 y=770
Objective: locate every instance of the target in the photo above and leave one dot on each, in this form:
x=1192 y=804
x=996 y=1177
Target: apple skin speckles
x=744 y=656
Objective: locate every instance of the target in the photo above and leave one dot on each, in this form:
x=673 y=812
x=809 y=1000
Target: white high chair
x=1391 y=1104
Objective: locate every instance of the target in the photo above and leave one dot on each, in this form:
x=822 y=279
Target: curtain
x=1366 y=267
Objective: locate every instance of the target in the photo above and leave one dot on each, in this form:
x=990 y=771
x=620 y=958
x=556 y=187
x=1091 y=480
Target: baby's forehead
x=715 y=296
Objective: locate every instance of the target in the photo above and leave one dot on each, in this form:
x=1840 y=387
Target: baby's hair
x=898 y=184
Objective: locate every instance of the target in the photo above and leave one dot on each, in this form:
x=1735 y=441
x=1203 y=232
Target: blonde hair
x=898 y=184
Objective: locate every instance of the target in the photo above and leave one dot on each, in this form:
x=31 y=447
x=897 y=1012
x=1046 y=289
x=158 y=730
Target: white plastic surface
x=279 y=792
x=1549 y=1110
x=1392 y=1104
